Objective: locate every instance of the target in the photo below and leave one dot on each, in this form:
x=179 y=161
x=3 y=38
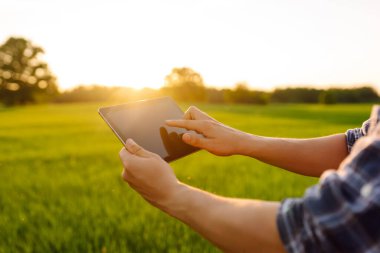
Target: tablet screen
x=144 y=122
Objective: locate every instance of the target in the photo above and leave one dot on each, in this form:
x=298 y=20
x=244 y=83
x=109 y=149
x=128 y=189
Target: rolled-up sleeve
x=342 y=212
x=352 y=135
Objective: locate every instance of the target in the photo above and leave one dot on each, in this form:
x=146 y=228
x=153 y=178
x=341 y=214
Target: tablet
x=144 y=122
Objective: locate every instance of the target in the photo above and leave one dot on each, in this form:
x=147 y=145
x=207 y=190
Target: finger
x=194 y=113
x=197 y=125
x=126 y=175
x=195 y=140
x=131 y=165
x=136 y=149
x=126 y=157
x=128 y=178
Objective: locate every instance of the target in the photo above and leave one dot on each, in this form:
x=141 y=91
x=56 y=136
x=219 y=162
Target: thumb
x=136 y=149
x=195 y=140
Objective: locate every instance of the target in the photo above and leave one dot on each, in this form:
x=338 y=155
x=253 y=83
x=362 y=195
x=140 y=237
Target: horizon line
x=281 y=86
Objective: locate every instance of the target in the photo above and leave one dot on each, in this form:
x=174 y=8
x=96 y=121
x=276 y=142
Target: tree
x=24 y=77
x=295 y=95
x=363 y=94
x=242 y=94
x=327 y=97
x=215 y=96
x=184 y=84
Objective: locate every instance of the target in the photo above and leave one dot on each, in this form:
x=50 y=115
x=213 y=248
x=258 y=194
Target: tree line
x=26 y=79
x=237 y=95
x=186 y=85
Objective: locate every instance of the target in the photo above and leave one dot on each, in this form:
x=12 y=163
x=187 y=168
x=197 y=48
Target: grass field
x=61 y=191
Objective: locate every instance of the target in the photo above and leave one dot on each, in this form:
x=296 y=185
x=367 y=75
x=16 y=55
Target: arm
x=304 y=156
x=233 y=225
x=342 y=212
x=310 y=157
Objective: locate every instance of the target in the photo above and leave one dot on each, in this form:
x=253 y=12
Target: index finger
x=197 y=125
x=194 y=113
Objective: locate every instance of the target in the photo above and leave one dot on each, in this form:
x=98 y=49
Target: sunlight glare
x=265 y=43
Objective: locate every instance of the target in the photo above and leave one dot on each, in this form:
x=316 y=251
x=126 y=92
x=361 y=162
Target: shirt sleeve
x=342 y=212
x=352 y=135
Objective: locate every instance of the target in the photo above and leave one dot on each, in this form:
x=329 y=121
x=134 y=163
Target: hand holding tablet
x=144 y=122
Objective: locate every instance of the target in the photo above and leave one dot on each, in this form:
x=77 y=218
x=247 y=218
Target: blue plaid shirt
x=342 y=212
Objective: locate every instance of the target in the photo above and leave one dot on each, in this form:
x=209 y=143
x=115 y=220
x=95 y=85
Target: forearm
x=303 y=156
x=233 y=225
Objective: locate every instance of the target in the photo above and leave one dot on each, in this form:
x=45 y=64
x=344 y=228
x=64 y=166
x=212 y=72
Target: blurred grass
x=61 y=191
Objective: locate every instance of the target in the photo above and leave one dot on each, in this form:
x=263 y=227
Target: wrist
x=247 y=144
x=176 y=204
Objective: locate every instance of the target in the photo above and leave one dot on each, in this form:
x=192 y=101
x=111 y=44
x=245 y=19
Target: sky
x=271 y=43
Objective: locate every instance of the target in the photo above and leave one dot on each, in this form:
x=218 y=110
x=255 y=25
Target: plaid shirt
x=342 y=212
x=352 y=135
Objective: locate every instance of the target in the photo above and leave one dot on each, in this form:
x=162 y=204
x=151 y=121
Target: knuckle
x=192 y=112
x=135 y=148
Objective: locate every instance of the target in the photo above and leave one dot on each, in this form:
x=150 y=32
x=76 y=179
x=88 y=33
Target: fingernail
x=186 y=137
x=129 y=142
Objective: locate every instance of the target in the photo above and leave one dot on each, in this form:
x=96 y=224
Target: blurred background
x=289 y=68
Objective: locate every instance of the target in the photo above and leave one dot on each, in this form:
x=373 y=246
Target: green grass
x=61 y=191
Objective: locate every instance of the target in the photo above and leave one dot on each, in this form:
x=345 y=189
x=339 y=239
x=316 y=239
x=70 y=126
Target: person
x=339 y=214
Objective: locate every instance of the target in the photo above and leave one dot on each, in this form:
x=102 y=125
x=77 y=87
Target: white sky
x=267 y=43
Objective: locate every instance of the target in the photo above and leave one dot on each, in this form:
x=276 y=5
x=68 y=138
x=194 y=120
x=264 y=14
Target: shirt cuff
x=290 y=223
x=352 y=135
